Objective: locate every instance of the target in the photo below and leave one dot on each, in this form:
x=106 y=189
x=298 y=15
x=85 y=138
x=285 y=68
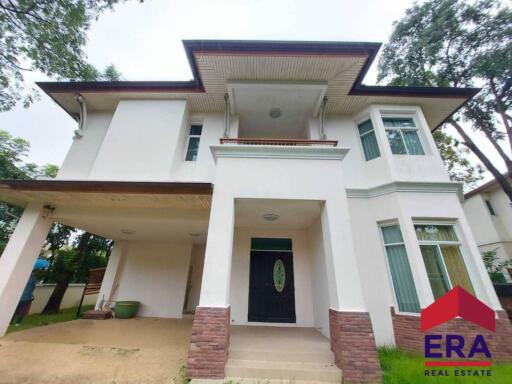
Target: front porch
x=280 y=355
x=176 y=251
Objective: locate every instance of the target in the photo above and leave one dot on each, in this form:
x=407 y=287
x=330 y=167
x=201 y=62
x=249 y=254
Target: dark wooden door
x=271 y=287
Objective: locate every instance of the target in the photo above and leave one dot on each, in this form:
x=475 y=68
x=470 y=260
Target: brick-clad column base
x=409 y=337
x=209 y=343
x=353 y=344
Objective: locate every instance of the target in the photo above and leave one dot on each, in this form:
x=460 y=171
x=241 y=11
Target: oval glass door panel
x=279 y=275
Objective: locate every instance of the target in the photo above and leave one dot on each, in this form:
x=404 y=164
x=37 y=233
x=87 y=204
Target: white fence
x=71 y=298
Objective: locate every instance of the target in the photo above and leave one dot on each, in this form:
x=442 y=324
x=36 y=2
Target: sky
x=144 y=42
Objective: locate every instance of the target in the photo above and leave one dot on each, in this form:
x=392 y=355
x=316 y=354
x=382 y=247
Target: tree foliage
x=455 y=157
x=495 y=266
x=47 y=36
x=13 y=151
x=460 y=44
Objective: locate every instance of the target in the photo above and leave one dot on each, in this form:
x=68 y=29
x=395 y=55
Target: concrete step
x=285 y=371
x=311 y=356
x=243 y=380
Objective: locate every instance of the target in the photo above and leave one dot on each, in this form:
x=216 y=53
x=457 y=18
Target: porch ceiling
x=138 y=224
x=120 y=210
x=106 y=193
x=292 y=214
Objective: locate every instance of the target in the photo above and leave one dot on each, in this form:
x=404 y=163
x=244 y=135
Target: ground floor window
x=443 y=259
x=401 y=275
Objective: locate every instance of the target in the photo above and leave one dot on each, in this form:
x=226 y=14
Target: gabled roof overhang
x=342 y=65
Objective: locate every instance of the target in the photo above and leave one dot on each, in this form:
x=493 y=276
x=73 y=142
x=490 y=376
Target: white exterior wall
x=141 y=141
x=147 y=139
x=82 y=154
x=239 y=297
x=360 y=173
x=71 y=298
x=405 y=208
x=319 y=278
x=156 y=275
x=203 y=169
x=291 y=178
x=144 y=140
x=491 y=232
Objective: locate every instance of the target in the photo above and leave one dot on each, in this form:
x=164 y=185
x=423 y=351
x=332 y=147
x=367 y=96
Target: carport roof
x=106 y=193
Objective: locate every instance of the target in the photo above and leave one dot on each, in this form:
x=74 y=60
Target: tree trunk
x=53 y=304
x=468 y=142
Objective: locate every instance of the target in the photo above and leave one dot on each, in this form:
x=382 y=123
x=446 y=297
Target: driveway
x=145 y=350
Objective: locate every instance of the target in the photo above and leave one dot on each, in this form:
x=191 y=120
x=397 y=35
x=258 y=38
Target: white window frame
x=390 y=223
x=439 y=243
x=193 y=136
x=374 y=130
x=416 y=128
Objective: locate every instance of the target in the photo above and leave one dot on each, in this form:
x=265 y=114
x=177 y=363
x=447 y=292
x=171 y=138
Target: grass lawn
x=404 y=368
x=37 y=320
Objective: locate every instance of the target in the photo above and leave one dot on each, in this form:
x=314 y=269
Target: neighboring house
x=489 y=214
x=272 y=189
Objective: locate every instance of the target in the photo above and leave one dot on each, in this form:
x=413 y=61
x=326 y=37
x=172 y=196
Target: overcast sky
x=144 y=42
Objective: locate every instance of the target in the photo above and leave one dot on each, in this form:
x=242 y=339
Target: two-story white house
x=273 y=189
x=489 y=214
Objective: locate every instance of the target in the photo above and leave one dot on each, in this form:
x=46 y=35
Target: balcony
x=280 y=142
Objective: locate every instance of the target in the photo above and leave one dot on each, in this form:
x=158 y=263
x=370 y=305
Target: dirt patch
x=87 y=351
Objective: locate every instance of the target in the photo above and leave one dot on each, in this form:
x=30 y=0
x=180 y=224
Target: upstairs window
x=194 y=137
x=368 y=140
x=490 y=207
x=403 y=136
x=443 y=260
x=401 y=275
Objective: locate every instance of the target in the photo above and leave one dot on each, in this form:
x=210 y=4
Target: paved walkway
x=142 y=351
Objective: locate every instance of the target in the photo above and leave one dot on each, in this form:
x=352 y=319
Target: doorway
x=271 y=281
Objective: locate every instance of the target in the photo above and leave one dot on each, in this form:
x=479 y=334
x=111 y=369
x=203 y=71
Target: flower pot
x=126 y=309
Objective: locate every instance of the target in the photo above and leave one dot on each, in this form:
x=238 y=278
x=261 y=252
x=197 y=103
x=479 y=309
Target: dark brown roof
x=369 y=50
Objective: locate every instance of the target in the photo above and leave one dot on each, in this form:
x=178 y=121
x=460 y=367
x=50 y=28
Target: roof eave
x=369 y=49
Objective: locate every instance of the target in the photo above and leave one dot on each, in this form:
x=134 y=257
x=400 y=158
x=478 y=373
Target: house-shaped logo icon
x=458 y=303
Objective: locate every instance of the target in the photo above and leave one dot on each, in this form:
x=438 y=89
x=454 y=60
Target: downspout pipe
x=322 y=118
x=82 y=118
x=226 y=115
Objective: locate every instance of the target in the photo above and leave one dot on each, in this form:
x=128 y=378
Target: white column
x=18 y=259
x=341 y=260
x=219 y=247
x=111 y=277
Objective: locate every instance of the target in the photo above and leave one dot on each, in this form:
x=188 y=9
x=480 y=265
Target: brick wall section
x=409 y=337
x=209 y=343
x=353 y=344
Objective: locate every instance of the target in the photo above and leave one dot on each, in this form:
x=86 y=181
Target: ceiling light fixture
x=127 y=231
x=275 y=113
x=270 y=216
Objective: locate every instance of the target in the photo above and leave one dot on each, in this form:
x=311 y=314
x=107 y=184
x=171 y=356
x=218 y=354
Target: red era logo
x=458 y=302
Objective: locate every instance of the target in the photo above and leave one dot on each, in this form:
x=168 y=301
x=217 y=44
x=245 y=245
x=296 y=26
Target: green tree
x=13 y=150
x=47 y=36
x=458 y=43
x=71 y=264
x=495 y=266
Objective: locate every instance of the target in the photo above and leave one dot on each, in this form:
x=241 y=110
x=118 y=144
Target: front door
x=271 y=287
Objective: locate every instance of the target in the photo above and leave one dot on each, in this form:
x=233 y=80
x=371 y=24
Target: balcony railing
x=280 y=142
